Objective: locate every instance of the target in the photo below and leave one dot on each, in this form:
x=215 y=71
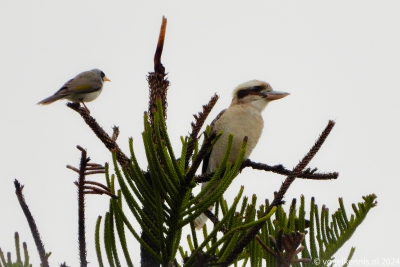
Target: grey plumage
x=84 y=87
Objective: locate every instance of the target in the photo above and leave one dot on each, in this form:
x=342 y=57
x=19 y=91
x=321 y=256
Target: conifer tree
x=159 y=197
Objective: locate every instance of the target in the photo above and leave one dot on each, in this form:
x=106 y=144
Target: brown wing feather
x=207 y=157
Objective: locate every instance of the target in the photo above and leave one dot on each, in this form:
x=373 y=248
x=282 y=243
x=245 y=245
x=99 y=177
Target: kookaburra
x=242 y=118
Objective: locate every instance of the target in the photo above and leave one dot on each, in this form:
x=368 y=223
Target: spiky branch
x=100 y=133
x=86 y=168
x=32 y=224
x=197 y=125
x=310 y=174
x=281 y=193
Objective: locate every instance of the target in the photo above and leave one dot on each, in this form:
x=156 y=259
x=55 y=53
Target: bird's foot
x=88 y=111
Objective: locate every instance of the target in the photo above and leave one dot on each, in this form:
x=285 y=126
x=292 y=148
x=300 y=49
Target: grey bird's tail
x=50 y=99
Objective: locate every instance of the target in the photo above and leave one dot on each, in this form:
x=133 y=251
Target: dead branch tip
x=158 y=66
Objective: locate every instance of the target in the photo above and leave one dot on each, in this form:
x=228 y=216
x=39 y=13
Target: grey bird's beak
x=274 y=95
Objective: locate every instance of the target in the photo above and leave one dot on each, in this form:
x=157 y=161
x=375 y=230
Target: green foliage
x=332 y=235
x=165 y=191
x=321 y=232
x=161 y=201
x=18 y=262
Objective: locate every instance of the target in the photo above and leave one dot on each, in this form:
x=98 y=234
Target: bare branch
x=101 y=134
x=93 y=165
x=196 y=127
x=32 y=224
x=99 y=191
x=72 y=168
x=279 y=169
x=158 y=88
x=86 y=168
x=94 y=172
x=81 y=208
x=158 y=66
x=215 y=220
x=98 y=184
x=270 y=251
x=251 y=233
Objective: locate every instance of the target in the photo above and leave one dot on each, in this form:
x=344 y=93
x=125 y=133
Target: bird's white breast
x=92 y=96
x=86 y=97
x=241 y=121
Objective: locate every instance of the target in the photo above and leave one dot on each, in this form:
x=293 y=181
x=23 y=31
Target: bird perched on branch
x=242 y=118
x=84 y=87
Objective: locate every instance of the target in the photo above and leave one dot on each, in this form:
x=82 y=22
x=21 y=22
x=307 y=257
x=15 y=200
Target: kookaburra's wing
x=207 y=157
x=199 y=221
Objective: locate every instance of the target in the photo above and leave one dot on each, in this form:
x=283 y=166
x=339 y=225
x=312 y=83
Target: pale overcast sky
x=339 y=60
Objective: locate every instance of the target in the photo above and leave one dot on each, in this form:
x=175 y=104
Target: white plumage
x=242 y=118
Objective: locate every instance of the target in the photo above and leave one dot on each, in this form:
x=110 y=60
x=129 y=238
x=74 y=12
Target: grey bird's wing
x=83 y=83
x=79 y=85
x=207 y=157
x=73 y=87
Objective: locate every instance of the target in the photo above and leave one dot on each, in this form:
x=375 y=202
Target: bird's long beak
x=106 y=79
x=274 y=95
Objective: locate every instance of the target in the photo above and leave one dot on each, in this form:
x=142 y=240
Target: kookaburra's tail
x=202 y=218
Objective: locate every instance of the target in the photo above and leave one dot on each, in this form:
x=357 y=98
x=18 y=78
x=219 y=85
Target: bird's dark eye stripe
x=246 y=91
x=102 y=74
x=257 y=88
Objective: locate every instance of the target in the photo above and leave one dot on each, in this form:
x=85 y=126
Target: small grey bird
x=242 y=118
x=84 y=87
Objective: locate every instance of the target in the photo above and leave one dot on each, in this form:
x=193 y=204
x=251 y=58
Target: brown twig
x=158 y=66
x=86 y=168
x=196 y=126
x=32 y=224
x=279 y=169
x=98 y=184
x=101 y=134
x=158 y=88
x=158 y=83
x=265 y=246
x=98 y=191
x=93 y=165
x=81 y=208
x=94 y=168
x=214 y=219
x=252 y=232
x=94 y=172
x=72 y=168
